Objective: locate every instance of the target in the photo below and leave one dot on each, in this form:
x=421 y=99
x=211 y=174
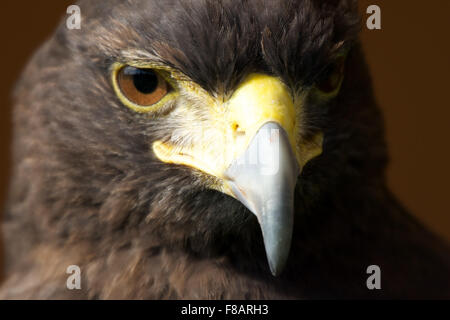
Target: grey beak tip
x=275 y=270
x=277 y=248
x=277 y=264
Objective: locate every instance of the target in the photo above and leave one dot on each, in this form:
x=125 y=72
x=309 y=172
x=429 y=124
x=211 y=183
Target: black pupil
x=145 y=81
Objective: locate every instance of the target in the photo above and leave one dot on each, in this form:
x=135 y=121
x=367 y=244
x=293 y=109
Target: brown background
x=410 y=63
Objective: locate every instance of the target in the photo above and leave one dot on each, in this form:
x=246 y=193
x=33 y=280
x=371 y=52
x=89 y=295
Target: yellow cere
x=258 y=100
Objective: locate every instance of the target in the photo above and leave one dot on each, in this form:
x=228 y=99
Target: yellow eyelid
x=116 y=67
x=331 y=94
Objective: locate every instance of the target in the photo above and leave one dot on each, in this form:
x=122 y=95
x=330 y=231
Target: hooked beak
x=266 y=187
x=259 y=160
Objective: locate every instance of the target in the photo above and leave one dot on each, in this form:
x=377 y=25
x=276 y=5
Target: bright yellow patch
x=258 y=100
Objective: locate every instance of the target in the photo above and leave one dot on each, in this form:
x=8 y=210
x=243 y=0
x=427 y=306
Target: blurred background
x=410 y=63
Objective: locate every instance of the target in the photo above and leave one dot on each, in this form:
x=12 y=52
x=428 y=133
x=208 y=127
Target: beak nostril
x=237 y=129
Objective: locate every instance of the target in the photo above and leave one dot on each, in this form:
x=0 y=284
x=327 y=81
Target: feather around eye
x=143 y=87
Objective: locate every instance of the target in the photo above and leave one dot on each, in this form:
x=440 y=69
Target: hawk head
x=194 y=124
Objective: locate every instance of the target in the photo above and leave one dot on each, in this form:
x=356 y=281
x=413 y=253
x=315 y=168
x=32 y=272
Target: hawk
x=208 y=149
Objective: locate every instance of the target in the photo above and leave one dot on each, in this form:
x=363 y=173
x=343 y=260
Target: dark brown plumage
x=87 y=190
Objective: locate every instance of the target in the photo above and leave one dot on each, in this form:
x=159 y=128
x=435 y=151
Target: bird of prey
x=208 y=149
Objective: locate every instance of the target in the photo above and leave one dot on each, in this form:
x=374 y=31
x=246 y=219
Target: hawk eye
x=331 y=77
x=143 y=87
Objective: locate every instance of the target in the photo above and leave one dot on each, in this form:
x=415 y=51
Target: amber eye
x=143 y=87
x=331 y=77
